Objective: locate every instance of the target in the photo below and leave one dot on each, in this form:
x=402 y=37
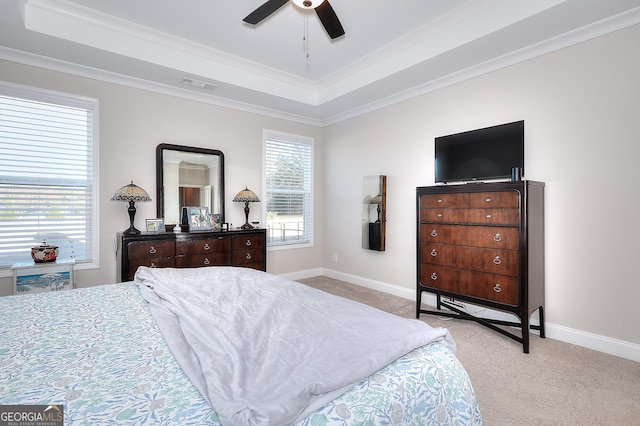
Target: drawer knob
x=434 y=233
x=440 y=200
x=153 y=265
x=497 y=288
x=439 y=214
x=434 y=276
x=434 y=252
x=248 y=243
x=497 y=238
x=488 y=200
x=497 y=260
x=152 y=250
x=489 y=216
x=206 y=261
x=206 y=246
x=248 y=256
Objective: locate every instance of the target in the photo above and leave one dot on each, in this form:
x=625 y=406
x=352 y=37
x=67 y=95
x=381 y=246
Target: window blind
x=288 y=191
x=46 y=175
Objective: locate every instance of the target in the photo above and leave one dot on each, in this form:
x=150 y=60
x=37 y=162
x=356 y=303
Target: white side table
x=30 y=277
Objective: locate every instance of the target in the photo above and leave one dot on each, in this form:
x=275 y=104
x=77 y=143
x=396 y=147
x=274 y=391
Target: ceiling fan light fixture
x=307 y=4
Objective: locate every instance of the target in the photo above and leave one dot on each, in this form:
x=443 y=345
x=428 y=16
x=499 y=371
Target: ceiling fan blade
x=264 y=11
x=329 y=20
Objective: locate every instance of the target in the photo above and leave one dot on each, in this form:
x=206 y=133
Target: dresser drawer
x=499 y=199
x=203 y=246
x=498 y=288
x=452 y=201
x=476 y=236
x=151 y=249
x=152 y=262
x=494 y=261
x=480 y=216
x=198 y=260
x=248 y=242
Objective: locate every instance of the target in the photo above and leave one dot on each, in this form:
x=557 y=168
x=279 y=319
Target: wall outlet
x=335 y=257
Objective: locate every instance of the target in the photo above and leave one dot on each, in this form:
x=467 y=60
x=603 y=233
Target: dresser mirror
x=188 y=176
x=374 y=212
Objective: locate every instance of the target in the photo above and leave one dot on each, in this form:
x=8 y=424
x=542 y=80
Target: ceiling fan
x=323 y=9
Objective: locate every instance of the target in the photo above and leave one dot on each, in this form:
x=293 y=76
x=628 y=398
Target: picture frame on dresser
x=154 y=225
x=199 y=218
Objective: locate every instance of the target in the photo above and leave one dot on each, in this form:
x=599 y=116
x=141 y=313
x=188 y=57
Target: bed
x=135 y=353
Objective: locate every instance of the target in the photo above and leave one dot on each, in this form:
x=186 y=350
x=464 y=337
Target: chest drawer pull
x=153 y=265
x=206 y=246
x=489 y=216
x=497 y=288
x=497 y=238
x=206 y=261
x=434 y=233
x=439 y=214
x=248 y=256
x=488 y=200
x=434 y=252
x=248 y=243
x=152 y=250
x=440 y=200
x=434 y=276
x=497 y=260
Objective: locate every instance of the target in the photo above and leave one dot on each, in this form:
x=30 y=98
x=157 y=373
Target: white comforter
x=268 y=351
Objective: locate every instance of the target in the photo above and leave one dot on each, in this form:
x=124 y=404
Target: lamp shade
x=131 y=192
x=246 y=196
x=376 y=200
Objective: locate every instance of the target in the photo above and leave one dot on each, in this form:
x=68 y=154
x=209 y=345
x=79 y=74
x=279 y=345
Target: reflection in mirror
x=374 y=212
x=188 y=176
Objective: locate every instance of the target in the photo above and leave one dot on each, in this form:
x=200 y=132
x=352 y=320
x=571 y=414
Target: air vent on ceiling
x=199 y=84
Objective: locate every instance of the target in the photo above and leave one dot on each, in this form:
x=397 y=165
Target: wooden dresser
x=483 y=243
x=246 y=248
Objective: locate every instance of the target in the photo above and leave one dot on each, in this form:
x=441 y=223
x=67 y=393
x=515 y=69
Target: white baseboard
x=596 y=342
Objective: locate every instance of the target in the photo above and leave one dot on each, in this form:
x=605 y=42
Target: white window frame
x=291 y=138
x=75 y=101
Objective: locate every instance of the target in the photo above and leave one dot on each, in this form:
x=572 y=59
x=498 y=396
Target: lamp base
x=131 y=231
x=246 y=225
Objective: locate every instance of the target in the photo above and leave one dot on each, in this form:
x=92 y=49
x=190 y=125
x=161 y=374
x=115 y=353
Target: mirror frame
x=374 y=186
x=160 y=173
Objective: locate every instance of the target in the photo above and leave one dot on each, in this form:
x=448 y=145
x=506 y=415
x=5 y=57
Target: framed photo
x=216 y=221
x=155 y=225
x=199 y=219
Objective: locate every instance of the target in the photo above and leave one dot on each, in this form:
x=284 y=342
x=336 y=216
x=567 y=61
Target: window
x=288 y=160
x=47 y=174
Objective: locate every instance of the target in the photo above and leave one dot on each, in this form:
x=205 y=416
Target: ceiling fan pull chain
x=306 y=35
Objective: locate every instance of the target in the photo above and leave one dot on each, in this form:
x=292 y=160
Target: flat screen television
x=483 y=154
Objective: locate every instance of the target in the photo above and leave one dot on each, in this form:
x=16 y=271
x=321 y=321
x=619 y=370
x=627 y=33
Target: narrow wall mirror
x=374 y=212
x=188 y=176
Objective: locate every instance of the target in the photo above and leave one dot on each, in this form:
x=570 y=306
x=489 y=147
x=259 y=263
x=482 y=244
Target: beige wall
x=133 y=122
x=581 y=108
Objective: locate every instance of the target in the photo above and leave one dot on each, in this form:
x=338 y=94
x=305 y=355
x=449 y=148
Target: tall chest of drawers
x=483 y=243
x=246 y=248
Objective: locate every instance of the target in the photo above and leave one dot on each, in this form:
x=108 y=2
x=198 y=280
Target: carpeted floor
x=555 y=384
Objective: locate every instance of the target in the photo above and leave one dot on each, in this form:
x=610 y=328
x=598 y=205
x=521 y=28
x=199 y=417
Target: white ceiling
x=392 y=50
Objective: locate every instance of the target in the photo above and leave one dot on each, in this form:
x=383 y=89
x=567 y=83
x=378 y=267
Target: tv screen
x=482 y=154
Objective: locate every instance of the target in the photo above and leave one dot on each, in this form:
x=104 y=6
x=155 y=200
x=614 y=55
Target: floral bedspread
x=98 y=352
